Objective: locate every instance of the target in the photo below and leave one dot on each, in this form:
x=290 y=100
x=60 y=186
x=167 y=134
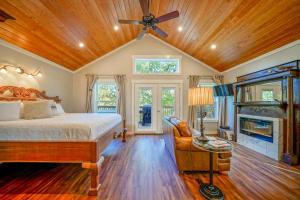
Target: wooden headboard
x=23 y=94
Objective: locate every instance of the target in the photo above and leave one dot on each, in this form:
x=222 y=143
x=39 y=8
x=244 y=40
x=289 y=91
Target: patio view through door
x=153 y=101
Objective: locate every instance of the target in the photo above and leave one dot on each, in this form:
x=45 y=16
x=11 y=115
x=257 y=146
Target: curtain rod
x=206 y=76
x=103 y=75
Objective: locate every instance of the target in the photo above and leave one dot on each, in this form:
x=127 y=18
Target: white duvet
x=71 y=126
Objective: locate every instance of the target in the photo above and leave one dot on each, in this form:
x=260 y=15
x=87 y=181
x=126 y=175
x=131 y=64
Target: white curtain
x=121 y=101
x=222 y=105
x=91 y=80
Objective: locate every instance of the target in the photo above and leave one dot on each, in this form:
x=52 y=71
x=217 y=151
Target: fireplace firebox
x=260 y=129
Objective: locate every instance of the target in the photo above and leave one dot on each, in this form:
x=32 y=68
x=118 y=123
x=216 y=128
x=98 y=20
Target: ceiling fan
x=150 y=21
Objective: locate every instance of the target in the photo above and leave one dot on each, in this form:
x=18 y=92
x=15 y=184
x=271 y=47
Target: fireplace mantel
x=286 y=105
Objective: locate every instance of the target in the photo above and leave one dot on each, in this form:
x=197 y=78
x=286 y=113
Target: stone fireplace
x=262 y=134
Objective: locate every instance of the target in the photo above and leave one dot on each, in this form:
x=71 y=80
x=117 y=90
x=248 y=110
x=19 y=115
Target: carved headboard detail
x=13 y=93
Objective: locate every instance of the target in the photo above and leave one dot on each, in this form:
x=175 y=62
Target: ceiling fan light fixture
x=149 y=21
x=3 y=70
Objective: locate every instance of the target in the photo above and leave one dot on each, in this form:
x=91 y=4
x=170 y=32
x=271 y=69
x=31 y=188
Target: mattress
x=70 y=126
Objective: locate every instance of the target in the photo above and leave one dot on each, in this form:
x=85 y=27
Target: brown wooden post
x=289 y=156
x=235 y=114
x=124 y=131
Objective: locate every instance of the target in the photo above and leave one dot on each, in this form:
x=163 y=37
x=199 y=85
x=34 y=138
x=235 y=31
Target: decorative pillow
x=7 y=93
x=60 y=110
x=57 y=109
x=184 y=129
x=174 y=121
x=37 y=109
x=10 y=110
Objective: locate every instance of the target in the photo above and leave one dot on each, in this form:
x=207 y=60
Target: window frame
x=216 y=103
x=102 y=81
x=135 y=57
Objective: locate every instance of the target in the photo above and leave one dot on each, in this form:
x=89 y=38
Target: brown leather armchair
x=186 y=156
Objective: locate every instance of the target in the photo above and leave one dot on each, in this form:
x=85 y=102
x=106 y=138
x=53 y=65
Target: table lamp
x=201 y=96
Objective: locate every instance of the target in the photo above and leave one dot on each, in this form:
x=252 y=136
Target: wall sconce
x=20 y=70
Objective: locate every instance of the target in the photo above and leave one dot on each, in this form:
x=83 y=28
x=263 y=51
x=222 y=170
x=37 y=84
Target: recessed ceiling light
x=81 y=44
x=213 y=46
x=3 y=70
x=116 y=28
x=180 y=28
x=167 y=56
x=40 y=74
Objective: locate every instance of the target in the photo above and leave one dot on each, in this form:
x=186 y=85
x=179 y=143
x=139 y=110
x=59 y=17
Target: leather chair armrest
x=225 y=155
x=185 y=144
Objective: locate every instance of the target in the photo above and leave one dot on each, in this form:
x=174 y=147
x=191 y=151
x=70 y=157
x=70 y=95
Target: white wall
x=120 y=62
x=55 y=81
x=279 y=56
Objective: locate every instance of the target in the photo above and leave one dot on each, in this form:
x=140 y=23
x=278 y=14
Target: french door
x=153 y=101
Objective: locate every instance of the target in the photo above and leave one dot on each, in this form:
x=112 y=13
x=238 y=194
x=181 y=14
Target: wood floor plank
x=143 y=169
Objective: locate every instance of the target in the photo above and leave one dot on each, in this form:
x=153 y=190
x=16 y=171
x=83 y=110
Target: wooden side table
x=209 y=190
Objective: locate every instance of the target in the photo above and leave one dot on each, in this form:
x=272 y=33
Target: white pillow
x=60 y=110
x=37 y=109
x=10 y=110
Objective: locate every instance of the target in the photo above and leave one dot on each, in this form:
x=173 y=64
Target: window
x=267 y=95
x=105 y=97
x=211 y=110
x=157 y=65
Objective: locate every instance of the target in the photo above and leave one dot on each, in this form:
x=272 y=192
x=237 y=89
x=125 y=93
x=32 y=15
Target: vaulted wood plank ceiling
x=241 y=29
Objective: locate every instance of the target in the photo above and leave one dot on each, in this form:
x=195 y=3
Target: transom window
x=157 y=65
x=105 y=97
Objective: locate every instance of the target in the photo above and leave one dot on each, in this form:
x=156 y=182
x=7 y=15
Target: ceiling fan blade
x=160 y=32
x=145 y=7
x=125 y=21
x=142 y=33
x=167 y=16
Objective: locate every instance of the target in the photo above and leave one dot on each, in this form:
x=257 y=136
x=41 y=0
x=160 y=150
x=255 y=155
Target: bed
x=68 y=138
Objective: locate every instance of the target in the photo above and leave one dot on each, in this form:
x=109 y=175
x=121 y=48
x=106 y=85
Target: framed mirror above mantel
x=273 y=92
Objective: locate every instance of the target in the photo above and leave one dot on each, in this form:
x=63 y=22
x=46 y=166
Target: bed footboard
x=88 y=153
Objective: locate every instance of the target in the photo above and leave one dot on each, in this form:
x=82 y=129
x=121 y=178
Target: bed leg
x=94 y=174
x=124 y=135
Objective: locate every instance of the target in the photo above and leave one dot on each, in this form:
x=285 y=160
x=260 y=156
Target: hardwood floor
x=141 y=169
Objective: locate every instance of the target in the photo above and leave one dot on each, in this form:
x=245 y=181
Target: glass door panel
x=168 y=97
x=152 y=103
x=145 y=108
x=169 y=102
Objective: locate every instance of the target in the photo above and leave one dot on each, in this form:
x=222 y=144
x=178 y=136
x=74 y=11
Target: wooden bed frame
x=88 y=153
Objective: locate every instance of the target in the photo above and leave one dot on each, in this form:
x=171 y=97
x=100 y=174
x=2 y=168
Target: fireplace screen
x=261 y=129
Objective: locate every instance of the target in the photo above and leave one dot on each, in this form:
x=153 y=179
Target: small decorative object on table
x=213 y=145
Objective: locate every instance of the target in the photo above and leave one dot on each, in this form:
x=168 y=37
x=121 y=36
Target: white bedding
x=71 y=126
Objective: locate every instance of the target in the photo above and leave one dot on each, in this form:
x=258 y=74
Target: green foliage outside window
x=156 y=66
x=145 y=96
x=106 y=97
x=168 y=97
x=267 y=95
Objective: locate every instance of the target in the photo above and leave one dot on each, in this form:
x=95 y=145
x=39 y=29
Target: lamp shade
x=201 y=96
